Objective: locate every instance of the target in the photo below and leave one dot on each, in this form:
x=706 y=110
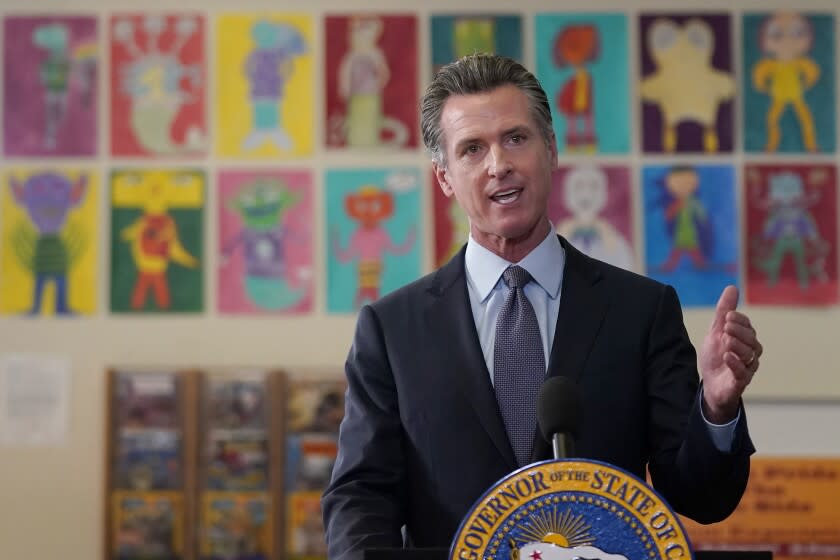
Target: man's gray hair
x=479 y=73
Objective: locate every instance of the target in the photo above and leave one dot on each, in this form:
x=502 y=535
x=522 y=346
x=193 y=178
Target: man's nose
x=499 y=165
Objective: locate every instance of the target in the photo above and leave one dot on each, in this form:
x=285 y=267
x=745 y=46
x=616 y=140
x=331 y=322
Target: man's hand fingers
x=727 y=302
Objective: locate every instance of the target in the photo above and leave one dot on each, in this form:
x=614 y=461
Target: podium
x=443 y=554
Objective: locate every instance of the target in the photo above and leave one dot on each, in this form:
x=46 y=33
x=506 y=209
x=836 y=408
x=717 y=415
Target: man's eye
x=472 y=149
x=517 y=138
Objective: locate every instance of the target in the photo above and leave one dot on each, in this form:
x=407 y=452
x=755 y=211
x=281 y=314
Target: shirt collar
x=544 y=264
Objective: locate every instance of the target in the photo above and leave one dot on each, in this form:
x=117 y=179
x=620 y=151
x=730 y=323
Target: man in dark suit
x=427 y=429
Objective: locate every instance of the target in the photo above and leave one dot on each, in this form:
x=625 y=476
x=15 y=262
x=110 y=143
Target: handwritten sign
x=791 y=507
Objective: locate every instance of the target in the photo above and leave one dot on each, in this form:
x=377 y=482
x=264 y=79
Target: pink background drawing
x=232 y=296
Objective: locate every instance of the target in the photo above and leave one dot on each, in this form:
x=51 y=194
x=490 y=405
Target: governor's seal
x=570 y=509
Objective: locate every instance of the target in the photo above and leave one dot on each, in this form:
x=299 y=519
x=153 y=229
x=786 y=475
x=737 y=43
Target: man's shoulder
x=409 y=294
x=621 y=280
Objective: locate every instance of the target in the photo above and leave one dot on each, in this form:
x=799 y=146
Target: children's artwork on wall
x=582 y=63
x=264 y=92
x=158 y=85
x=691 y=229
x=373 y=223
x=157 y=240
x=452 y=226
x=789 y=82
x=48 y=246
x=265 y=242
x=371 y=81
x=791 y=213
x=591 y=206
x=687 y=86
x=456 y=36
x=50 y=77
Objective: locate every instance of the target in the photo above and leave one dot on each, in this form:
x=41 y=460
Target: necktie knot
x=516 y=277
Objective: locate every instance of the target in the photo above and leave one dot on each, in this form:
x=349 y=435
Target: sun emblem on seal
x=564 y=529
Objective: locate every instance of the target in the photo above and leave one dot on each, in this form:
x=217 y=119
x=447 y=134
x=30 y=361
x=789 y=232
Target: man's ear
x=442 y=179
x=552 y=146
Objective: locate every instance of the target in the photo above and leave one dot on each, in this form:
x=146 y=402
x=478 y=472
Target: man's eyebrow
x=466 y=142
x=520 y=128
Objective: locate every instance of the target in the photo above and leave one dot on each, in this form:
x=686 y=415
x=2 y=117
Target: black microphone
x=558 y=414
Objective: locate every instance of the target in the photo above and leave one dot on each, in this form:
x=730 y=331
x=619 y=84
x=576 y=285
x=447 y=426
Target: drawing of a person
x=788 y=228
x=785 y=73
x=585 y=196
x=686 y=218
x=268 y=69
x=577 y=45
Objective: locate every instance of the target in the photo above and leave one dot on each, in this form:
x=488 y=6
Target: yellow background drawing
x=16 y=282
x=233 y=106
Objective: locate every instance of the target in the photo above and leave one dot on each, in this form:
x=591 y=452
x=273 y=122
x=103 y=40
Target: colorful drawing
x=156 y=222
x=691 y=230
x=374 y=220
x=791 y=213
x=371 y=98
x=236 y=526
x=265 y=242
x=158 y=83
x=305 y=537
x=686 y=83
x=591 y=207
x=267 y=70
x=147 y=525
x=48 y=243
x=455 y=36
x=790 y=61
x=452 y=226
x=50 y=73
x=264 y=85
x=582 y=63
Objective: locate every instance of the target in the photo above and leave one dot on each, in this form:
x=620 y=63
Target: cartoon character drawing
x=63 y=62
x=153 y=237
x=790 y=229
x=577 y=46
x=585 y=196
x=153 y=80
x=686 y=218
x=370 y=206
x=51 y=249
x=685 y=85
x=262 y=204
x=785 y=73
x=362 y=76
x=268 y=69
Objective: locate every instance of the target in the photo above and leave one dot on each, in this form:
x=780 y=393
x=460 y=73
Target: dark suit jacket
x=423 y=438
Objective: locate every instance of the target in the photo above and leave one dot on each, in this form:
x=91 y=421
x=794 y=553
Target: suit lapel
x=583 y=303
x=451 y=315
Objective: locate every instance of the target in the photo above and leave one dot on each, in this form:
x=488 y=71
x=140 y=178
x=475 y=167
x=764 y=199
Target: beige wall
x=50 y=498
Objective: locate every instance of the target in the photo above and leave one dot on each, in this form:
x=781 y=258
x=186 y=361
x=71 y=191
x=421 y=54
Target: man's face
x=498 y=165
